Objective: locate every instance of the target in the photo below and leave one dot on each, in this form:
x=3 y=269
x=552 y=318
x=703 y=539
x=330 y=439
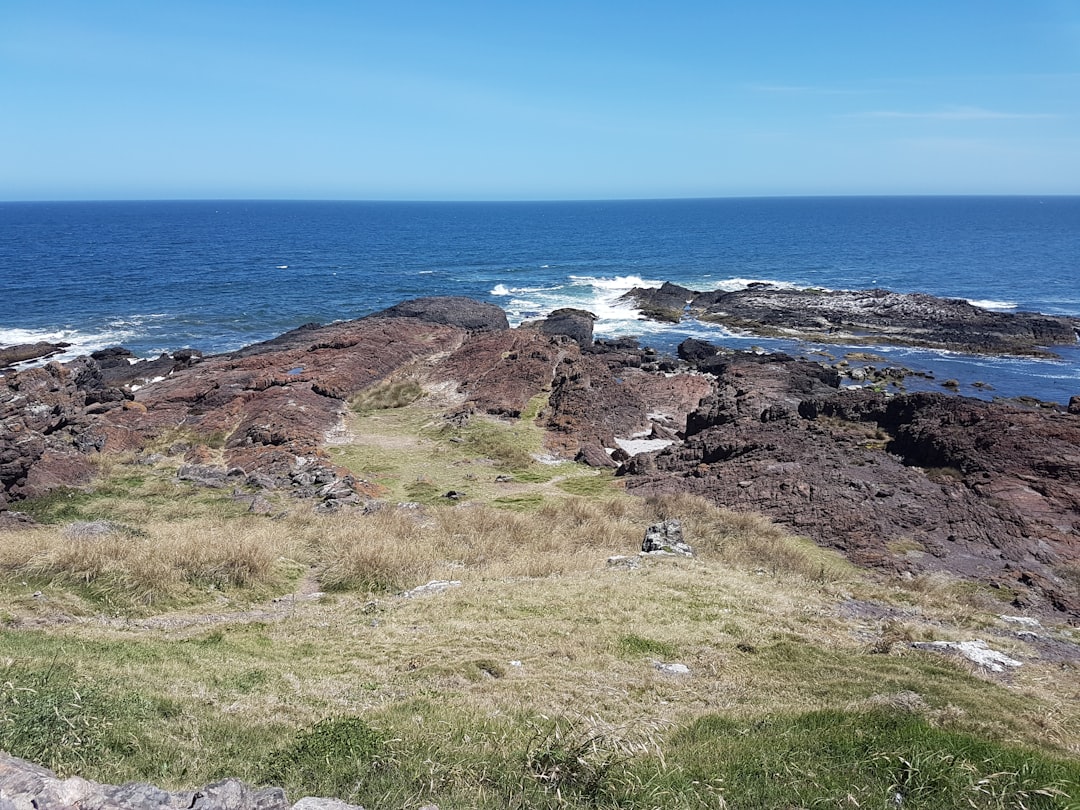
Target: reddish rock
x=918 y=482
x=499 y=372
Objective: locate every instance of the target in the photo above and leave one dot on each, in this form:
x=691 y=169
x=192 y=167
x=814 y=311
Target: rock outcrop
x=863 y=316
x=914 y=483
x=24 y=785
x=464 y=313
x=10 y=355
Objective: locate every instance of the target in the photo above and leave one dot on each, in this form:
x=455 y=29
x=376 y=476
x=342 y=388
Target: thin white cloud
x=954 y=114
x=802 y=90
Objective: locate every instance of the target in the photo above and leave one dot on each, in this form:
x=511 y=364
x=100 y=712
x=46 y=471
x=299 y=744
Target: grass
x=148 y=647
x=386 y=395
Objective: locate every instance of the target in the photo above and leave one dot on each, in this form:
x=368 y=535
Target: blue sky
x=548 y=100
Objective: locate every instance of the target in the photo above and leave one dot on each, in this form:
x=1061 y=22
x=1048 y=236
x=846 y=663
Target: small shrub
x=576 y=757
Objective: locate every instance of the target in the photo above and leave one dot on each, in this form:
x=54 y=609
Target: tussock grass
x=129 y=567
x=387 y=395
x=395 y=549
x=748 y=539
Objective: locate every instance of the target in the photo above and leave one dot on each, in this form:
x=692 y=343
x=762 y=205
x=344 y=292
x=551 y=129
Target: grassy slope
x=155 y=651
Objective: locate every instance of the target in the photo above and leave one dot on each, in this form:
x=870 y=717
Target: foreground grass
x=180 y=640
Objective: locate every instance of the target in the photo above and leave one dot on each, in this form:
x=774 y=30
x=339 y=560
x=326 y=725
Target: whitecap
x=500 y=289
x=733 y=284
x=618 y=283
x=997 y=306
x=282 y=267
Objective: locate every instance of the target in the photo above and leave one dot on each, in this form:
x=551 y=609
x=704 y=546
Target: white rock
x=975 y=651
x=672 y=669
x=1025 y=621
x=435 y=586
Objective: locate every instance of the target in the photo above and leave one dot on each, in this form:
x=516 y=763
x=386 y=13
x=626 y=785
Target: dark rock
x=1074 y=405
x=576 y=324
x=595 y=456
x=10 y=355
x=693 y=350
x=465 y=313
x=664 y=303
x=877 y=316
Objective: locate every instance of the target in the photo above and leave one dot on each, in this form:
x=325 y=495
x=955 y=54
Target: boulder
x=576 y=324
x=664 y=303
x=595 y=456
x=25 y=785
x=1074 y=405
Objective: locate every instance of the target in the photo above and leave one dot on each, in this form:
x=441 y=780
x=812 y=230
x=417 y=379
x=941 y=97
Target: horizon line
x=535 y=200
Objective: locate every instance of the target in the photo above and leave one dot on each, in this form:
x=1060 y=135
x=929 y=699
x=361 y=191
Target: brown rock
x=595 y=456
x=918 y=482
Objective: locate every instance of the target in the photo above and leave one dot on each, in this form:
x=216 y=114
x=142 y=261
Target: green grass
x=633 y=646
x=588 y=485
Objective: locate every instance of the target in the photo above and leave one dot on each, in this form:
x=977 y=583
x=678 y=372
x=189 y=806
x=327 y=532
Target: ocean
x=217 y=275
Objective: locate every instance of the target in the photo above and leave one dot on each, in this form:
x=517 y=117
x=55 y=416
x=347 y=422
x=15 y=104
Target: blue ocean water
x=157 y=276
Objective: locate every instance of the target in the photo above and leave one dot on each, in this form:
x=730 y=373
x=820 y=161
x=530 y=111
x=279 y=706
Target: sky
x=467 y=100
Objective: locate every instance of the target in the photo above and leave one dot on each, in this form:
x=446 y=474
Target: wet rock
x=664 y=303
x=10 y=355
x=882 y=316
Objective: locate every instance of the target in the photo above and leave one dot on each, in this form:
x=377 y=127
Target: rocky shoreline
x=908 y=484
x=862 y=317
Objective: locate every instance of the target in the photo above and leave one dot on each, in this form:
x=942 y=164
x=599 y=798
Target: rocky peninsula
x=906 y=484
x=862 y=316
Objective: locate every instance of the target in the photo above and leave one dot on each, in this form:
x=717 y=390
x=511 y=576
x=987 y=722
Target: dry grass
x=541 y=626
x=155 y=564
x=395 y=549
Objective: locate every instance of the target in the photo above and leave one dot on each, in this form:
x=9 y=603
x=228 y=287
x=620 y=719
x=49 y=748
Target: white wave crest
x=500 y=290
x=616 y=284
x=996 y=306
x=733 y=284
x=81 y=342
